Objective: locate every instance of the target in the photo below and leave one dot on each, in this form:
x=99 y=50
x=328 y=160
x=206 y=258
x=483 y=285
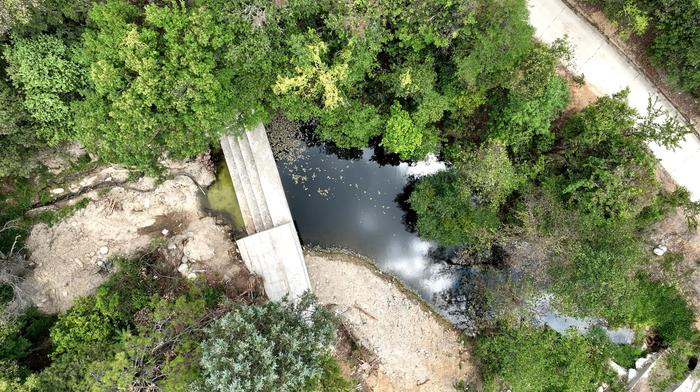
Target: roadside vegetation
x=675 y=34
x=134 y=81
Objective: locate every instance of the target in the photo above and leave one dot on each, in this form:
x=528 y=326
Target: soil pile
x=414 y=348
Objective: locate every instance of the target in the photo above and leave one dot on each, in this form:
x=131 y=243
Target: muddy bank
x=74 y=256
x=415 y=349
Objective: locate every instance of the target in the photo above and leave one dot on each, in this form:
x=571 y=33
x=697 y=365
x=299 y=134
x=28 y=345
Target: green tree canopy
x=42 y=68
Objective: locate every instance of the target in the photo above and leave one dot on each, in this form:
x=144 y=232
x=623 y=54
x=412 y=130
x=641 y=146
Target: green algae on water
x=221 y=198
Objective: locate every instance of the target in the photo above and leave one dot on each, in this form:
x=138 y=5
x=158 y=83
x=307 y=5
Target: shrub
x=536 y=358
x=274 y=346
x=448 y=213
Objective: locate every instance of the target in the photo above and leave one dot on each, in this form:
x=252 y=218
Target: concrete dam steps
x=271 y=249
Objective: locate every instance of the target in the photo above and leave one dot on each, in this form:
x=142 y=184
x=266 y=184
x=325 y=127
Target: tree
x=312 y=79
x=351 y=125
x=536 y=96
x=14 y=13
x=273 y=346
x=497 y=36
x=489 y=173
x=449 y=213
x=159 y=86
x=18 y=141
x=608 y=166
x=402 y=135
x=41 y=68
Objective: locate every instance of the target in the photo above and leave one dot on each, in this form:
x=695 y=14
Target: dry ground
x=414 y=349
x=73 y=257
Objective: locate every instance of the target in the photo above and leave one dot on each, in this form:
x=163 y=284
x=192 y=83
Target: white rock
x=641 y=362
x=57 y=191
x=191 y=276
x=108 y=179
x=104 y=250
x=660 y=250
x=619 y=370
x=146 y=203
x=80 y=263
x=165 y=232
x=183 y=268
x=631 y=374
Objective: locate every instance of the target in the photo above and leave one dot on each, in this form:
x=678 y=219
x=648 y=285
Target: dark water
x=351 y=202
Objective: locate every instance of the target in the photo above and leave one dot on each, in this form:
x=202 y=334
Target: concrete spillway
x=271 y=249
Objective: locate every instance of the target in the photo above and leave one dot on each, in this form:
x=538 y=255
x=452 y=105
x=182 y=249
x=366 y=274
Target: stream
x=351 y=199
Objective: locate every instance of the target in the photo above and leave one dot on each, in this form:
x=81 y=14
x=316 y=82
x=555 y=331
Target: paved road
x=608 y=71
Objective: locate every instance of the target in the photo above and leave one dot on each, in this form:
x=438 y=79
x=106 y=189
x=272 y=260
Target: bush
x=274 y=346
x=448 y=214
x=536 y=358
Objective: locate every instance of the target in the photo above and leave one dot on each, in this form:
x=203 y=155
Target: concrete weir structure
x=271 y=249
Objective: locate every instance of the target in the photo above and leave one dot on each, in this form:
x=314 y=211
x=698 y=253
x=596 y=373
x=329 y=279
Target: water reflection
x=349 y=200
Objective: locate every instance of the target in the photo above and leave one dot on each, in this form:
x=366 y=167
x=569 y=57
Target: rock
x=108 y=179
x=660 y=250
x=619 y=370
x=184 y=259
x=165 y=232
x=80 y=263
x=198 y=249
x=146 y=203
x=631 y=374
x=641 y=362
x=57 y=191
x=183 y=268
x=104 y=250
x=191 y=276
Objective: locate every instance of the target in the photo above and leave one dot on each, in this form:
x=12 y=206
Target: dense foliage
x=536 y=358
x=138 y=333
x=133 y=82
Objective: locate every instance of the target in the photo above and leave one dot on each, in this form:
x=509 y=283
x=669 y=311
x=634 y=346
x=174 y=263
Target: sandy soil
x=74 y=256
x=415 y=350
x=673 y=231
x=580 y=95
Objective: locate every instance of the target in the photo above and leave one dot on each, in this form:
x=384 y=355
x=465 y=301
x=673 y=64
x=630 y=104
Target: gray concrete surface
x=272 y=249
x=608 y=71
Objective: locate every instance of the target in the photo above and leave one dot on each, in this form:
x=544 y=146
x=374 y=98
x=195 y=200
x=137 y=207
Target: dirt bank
x=73 y=257
x=414 y=348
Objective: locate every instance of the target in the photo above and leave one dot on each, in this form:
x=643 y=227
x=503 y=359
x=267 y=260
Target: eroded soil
x=73 y=257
